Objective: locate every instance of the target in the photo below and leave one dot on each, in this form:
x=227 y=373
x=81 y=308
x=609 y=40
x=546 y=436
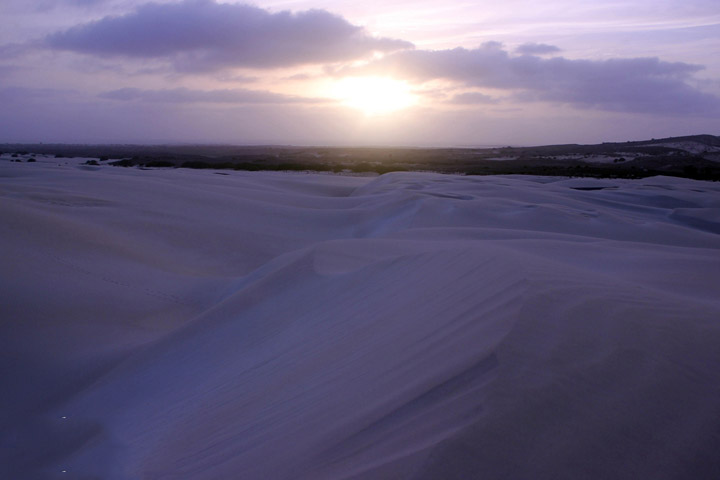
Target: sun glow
x=374 y=95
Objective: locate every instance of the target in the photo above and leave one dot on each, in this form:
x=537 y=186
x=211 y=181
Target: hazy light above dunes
x=374 y=96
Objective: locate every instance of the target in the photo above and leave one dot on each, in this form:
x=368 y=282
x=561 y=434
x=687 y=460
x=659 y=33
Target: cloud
x=15 y=6
x=536 y=49
x=13 y=94
x=299 y=76
x=11 y=51
x=235 y=78
x=203 y=35
x=75 y=3
x=185 y=95
x=6 y=70
x=640 y=85
x=471 y=98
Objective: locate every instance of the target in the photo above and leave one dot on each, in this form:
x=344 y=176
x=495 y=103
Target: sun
x=374 y=95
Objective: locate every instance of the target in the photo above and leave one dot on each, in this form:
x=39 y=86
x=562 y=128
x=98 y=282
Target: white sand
x=179 y=324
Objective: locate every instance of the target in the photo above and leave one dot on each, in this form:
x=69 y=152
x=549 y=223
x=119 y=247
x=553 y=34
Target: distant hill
x=694 y=156
x=708 y=140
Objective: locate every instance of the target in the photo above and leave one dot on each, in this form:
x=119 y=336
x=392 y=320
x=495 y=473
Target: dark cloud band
x=226 y=96
x=202 y=35
x=536 y=49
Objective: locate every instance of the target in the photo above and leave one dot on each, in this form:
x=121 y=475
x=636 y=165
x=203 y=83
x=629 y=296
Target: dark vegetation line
x=696 y=157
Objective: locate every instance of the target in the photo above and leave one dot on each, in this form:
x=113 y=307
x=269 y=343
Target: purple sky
x=469 y=73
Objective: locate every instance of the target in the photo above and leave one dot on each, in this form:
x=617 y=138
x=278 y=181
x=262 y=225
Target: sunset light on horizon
x=450 y=73
x=374 y=96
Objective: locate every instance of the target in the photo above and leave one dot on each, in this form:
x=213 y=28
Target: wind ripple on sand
x=359 y=360
x=320 y=327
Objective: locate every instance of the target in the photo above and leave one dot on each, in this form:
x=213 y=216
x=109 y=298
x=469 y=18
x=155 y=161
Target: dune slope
x=173 y=324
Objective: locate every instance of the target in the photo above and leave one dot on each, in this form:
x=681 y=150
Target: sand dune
x=179 y=324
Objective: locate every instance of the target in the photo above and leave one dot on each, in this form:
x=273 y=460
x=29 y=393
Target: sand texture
x=189 y=325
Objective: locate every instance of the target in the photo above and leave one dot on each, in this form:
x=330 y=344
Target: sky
x=399 y=73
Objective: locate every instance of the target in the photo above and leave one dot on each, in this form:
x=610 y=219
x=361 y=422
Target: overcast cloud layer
x=641 y=85
x=199 y=35
x=130 y=61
